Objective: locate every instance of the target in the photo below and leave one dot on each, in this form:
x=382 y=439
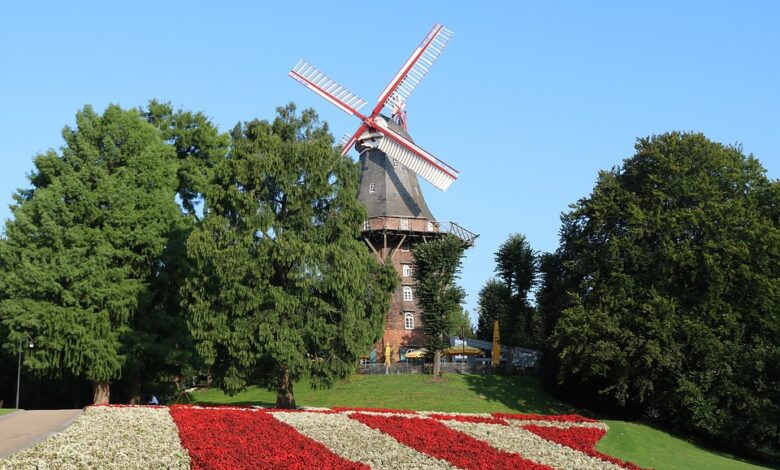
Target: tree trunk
x=437 y=364
x=284 y=391
x=509 y=367
x=135 y=387
x=100 y=393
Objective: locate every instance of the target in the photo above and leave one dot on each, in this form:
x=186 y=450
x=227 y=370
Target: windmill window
x=409 y=321
x=404 y=224
x=404 y=247
x=430 y=226
x=406 y=269
x=372 y=188
x=407 y=293
x=366 y=225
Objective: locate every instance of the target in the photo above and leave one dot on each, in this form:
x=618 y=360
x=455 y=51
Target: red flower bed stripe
x=374 y=410
x=439 y=441
x=534 y=417
x=234 y=439
x=581 y=439
x=468 y=419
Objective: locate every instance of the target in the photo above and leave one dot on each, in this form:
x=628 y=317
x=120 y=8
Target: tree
x=672 y=268
x=437 y=264
x=84 y=244
x=494 y=302
x=281 y=287
x=198 y=144
x=505 y=298
x=460 y=323
x=159 y=344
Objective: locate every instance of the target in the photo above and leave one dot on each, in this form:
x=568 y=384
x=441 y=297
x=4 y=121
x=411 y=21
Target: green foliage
x=437 y=265
x=494 y=303
x=460 y=323
x=281 y=287
x=84 y=243
x=673 y=298
x=516 y=265
x=199 y=147
x=506 y=298
x=159 y=345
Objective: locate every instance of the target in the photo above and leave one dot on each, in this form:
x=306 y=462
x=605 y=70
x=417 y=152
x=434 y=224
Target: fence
x=405 y=368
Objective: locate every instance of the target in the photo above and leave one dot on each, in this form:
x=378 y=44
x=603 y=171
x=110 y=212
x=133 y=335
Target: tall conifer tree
x=282 y=287
x=84 y=243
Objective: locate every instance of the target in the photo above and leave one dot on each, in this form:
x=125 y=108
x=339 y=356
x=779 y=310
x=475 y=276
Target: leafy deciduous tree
x=494 y=302
x=437 y=264
x=506 y=298
x=672 y=269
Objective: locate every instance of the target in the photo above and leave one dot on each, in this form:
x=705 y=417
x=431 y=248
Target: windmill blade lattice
x=319 y=83
x=418 y=65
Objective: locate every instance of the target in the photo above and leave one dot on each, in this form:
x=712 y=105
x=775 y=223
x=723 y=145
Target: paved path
x=22 y=429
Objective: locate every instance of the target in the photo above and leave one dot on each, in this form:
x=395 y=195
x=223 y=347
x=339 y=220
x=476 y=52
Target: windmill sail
x=412 y=156
x=393 y=144
x=415 y=68
x=319 y=83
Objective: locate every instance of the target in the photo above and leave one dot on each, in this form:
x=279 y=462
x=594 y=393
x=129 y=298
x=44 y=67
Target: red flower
x=439 y=441
x=578 y=438
x=236 y=439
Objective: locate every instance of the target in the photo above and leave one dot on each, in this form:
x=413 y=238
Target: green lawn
x=634 y=442
x=464 y=393
x=5 y=411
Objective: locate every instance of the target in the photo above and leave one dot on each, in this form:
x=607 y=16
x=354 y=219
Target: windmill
x=374 y=130
x=398 y=216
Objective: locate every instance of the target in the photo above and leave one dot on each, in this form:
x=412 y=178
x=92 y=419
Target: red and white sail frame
x=403 y=84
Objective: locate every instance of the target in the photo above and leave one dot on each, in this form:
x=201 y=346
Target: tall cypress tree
x=282 y=287
x=84 y=243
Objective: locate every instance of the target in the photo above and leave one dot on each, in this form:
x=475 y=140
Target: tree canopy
x=282 y=288
x=437 y=265
x=505 y=298
x=670 y=270
x=85 y=243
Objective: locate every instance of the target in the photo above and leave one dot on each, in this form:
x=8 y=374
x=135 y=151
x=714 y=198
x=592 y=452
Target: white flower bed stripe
x=356 y=441
x=108 y=437
x=531 y=446
x=382 y=413
x=555 y=424
x=446 y=413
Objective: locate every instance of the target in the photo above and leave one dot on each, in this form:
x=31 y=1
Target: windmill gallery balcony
x=418 y=227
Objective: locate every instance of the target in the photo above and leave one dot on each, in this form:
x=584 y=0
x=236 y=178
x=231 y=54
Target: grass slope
x=637 y=443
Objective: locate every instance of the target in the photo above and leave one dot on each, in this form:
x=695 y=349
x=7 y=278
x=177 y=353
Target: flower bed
x=109 y=437
x=187 y=436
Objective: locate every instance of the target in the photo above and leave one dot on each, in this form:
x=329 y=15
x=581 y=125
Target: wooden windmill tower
x=398 y=216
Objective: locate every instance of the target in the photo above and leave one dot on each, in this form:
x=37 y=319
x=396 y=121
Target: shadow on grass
x=521 y=393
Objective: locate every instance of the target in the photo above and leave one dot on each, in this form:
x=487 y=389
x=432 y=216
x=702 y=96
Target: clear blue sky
x=529 y=100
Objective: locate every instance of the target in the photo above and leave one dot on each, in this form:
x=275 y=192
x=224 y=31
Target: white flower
x=356 y=441
x=109 y=437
